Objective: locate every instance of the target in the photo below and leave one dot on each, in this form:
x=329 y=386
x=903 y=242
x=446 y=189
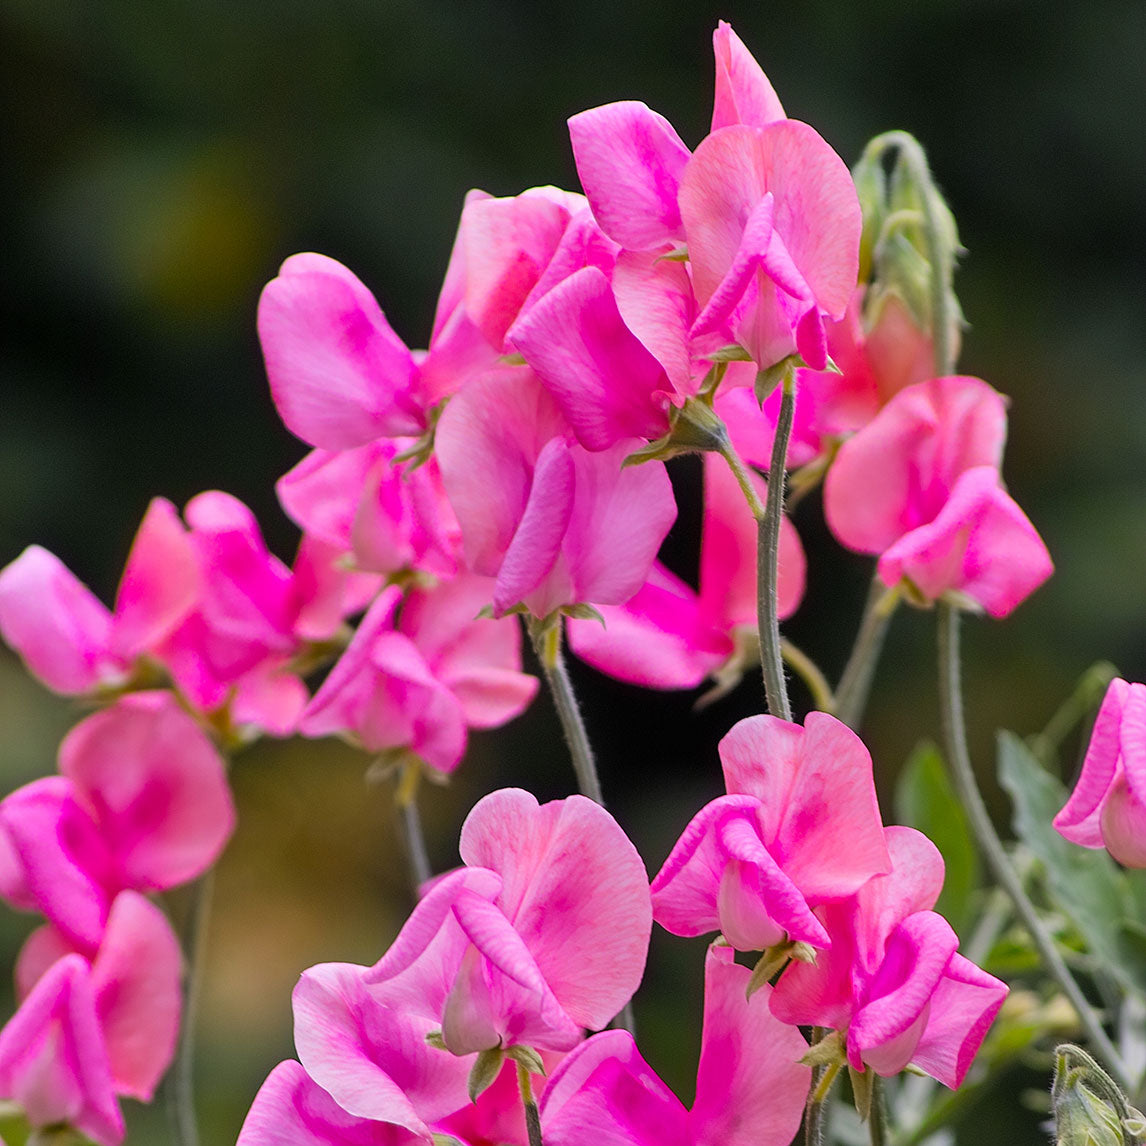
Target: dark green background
x=161 y=159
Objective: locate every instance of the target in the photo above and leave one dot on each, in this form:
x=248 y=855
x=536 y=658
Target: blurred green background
x=161 y=159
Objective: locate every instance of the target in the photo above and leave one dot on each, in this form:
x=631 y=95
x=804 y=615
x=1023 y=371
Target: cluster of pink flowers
x=517 y=465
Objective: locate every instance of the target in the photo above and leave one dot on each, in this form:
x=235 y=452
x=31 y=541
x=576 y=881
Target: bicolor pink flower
x=750 y=1085
x=135 y=977
x=388 y=517
x=552 y=523
x=754 y=864
x=670 y=636
x=291 y=1109
x=543 y=933
x=892 y=980
x=142 y=803
x=339 y=375
x=743 y=92
x=1108 y=805
x=419 y=681
x=772 y=223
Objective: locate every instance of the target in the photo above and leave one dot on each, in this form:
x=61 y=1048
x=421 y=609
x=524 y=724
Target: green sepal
x=676 y=255
x=772 y=961
x=829 y=1051
x=733 y=352
x=486 y=1068
x=436 y=1040
x=445 y=1140
x=768 y=379
x=514 y=359
x=528 y=1058
x=419 y=453
x=583 y=611
x=863 y=1088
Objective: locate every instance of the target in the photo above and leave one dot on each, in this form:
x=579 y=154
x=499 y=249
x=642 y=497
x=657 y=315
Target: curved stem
x=181 y=1088
x=532 y=1117
x=855 y=682
x=546 y=637
x=810 y=673
x=420 y=869
x=768 y=558
x=959 y=760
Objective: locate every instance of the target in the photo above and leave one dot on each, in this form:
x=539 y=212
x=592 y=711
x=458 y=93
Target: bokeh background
x=161 y=159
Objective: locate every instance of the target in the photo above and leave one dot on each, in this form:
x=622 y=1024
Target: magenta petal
x=576 y=892
x=656 y=639
x=750 y=1085
x=743 y=92
x=137 y=978
x=157 y=787
x=963 y=1007
x=161 y=582
x=604 y=380
x=821 y=993
x=56 y=624
x=605 y=1092
x=370 y=1054
x=339 y=374
x=537 y=540
x=53 y=1061
x=291 y=1109
x=630 y=161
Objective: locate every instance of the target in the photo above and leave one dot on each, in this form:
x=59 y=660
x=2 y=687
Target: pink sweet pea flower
x=543 y=933
x=419 y=682
x=750 y=1085
x=339 y=374
x=135 y=976
x=291 y=1109
x=1108 y=805
x=554 y=524
x=753 y=864
x=892 y=979
x=980 y=545
x=143 y=804
x=897 y=473
x=773 y=224
x=743 y=92
x=389 y=517
x=670 y=636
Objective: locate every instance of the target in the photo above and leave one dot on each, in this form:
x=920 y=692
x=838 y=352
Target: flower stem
x=810 y=673
x=959 y=760
x=822 y=1079
x=532 y=1117
x=877 y=1116
x=855 y=682
x=416 y=853
x=546 y=637
x=181 y=1084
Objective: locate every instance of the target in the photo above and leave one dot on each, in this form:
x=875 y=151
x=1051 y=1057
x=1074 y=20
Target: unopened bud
x=1089 y=1109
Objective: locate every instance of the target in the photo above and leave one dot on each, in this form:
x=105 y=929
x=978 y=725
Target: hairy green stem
x=855 y=681
x=959 y=761
x=817 y=1097
x=546 y=637
x=419 y=857
x=181 y=1082
x=877 y=1116
x=532 y=1117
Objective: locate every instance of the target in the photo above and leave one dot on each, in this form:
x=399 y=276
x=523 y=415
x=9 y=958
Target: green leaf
x=924 y=799
x=1084 y=883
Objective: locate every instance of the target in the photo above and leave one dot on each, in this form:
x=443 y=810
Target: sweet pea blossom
x=1108 y=805
x=892 y=982
x=543 y=932
x=417 y=682
x=142 y=803
x=554 y=524
x=750 y=1085
x=754 y=864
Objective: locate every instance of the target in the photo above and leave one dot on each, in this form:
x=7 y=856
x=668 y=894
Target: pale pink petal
x=162 y=582
x=137 y=979
x=1079 y=819
x=981 y=544
x=575 y=890
x=53 y=1061
x=41 y=950
x=963 y=1007
x=157 y=788
x=583 y=244
x=630 y=161
x=743 y=92
x=656 y=639
x=321 y=494
x=606 y=383
x=270 y=699
x=371 y=1056
x=821 y=993
x=291 y=1109
x=325 y=592
x=605 y=1092
x=56 y=624
x=339 y=375
x=761 y=756
x=750 y=1086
